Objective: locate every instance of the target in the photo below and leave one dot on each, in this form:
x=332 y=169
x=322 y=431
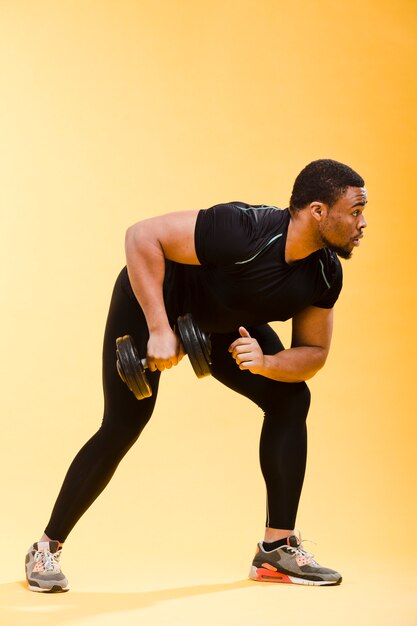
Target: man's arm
x=148 y=244
x=311 y=337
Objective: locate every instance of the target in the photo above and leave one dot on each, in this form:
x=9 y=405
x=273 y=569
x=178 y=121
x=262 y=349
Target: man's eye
x=355 y=213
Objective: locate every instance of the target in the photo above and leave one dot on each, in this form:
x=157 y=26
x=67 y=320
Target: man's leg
x=283 y=443
x=123 y=421
x=283 y=449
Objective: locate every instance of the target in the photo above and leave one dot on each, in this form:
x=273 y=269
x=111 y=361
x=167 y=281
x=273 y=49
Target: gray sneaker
x=291 y=564
x=43 y=571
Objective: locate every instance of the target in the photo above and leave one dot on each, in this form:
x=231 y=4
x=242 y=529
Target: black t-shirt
x=243 y=278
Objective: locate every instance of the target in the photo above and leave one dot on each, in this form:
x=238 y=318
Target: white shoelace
x=299 y=550
x=50 y=560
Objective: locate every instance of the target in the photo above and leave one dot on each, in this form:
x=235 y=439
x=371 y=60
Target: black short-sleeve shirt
x=243 y=278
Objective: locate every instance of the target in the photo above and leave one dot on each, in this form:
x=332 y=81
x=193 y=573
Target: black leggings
x=283 y=444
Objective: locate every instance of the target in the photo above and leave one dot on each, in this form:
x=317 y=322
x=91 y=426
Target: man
x=234 y=267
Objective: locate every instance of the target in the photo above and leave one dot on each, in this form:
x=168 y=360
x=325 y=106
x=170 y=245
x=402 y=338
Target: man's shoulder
x=253 y=209
x=240 y=230
x=260 y=216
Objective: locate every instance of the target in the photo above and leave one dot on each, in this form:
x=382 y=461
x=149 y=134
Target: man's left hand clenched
x=247 y=352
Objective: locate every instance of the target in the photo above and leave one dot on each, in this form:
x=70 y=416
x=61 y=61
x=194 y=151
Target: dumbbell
x=131 y=366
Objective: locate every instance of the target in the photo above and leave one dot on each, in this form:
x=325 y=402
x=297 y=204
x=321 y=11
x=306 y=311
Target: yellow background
x=112 y=112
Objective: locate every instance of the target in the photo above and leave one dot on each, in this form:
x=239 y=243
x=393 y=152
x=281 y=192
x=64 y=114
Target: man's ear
x=318 y=210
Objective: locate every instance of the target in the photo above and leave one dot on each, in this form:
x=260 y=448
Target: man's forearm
x=294 y=365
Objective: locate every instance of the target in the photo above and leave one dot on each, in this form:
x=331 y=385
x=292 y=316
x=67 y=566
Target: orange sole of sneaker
x=261 y=574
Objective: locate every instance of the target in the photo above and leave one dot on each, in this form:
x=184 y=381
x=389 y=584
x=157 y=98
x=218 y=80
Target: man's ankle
x=46 y=538
x=275 y=534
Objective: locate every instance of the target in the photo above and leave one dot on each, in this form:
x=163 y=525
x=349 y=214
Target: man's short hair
x=324 y=181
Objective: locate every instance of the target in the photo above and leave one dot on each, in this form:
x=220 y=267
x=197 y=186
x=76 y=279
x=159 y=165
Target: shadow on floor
x=18 y=606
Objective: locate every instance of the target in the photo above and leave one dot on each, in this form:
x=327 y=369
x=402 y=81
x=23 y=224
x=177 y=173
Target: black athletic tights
x=283 y=444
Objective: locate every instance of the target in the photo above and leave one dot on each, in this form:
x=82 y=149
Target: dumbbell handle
x=131 y=367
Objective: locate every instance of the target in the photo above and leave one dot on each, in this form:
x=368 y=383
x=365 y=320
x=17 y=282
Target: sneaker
x=43 y=571
x=291 y=564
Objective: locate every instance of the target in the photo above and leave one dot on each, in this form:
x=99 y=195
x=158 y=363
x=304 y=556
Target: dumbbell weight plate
x=196 y=344
x=131 y=369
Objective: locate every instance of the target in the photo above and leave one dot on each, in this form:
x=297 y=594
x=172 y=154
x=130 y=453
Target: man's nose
x=363 y=223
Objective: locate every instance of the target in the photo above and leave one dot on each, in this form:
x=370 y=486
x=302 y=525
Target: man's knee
x=287 y=399
x=122 y=431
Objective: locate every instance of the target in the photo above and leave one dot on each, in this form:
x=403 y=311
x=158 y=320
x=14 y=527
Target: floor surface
x=368 y=596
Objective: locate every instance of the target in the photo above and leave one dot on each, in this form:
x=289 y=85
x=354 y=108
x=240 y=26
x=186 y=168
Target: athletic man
x=234 y=267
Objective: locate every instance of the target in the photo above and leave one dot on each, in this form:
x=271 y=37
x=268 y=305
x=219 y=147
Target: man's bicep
x=313 y=327
x=173 y=232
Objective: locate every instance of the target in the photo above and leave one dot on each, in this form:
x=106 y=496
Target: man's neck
x=301 y=240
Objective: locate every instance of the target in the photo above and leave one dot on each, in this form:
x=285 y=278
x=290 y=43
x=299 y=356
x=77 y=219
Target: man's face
x=341 y=227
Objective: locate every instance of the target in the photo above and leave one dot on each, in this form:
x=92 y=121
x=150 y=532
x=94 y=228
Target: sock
x=272 y=545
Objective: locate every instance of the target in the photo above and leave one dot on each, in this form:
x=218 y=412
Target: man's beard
x=344 y=253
